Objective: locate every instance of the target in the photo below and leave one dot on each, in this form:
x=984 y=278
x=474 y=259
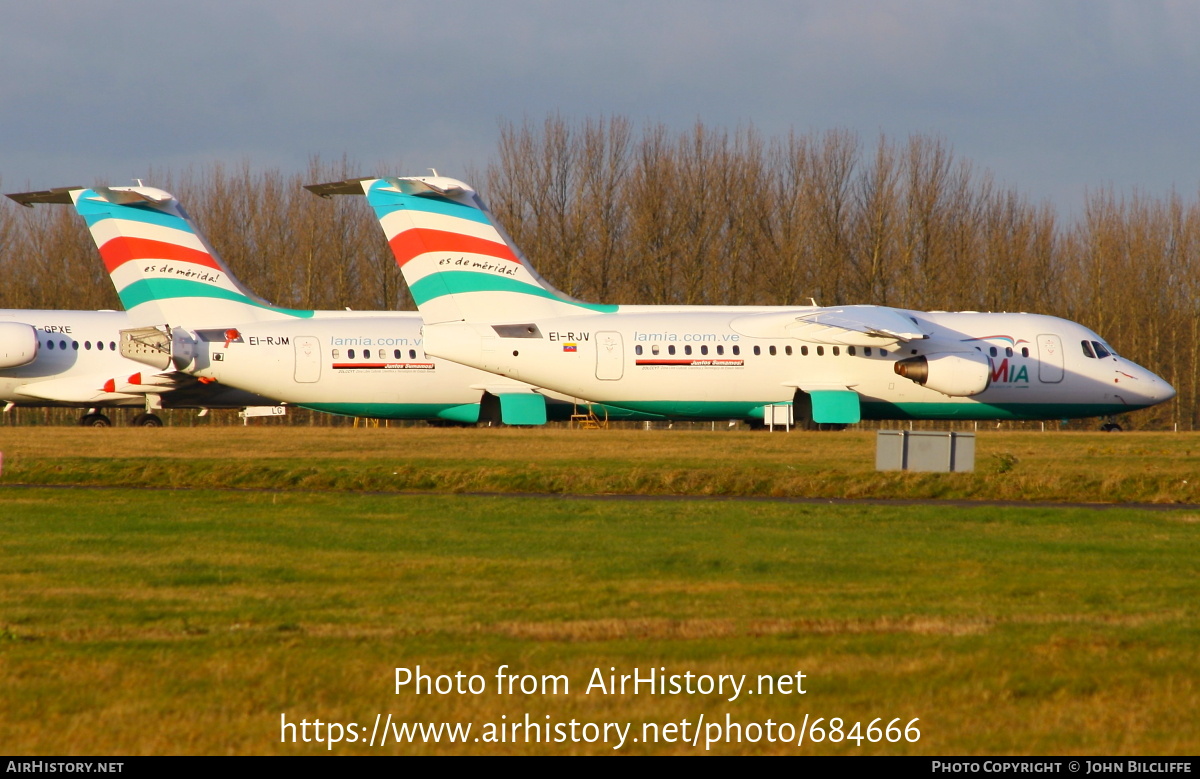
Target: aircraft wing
x=150 y=384
x=846 y=325
x=75 y=389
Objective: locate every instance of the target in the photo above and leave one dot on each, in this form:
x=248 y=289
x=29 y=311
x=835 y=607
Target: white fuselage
x=75 y=356
x=373 y=365
x=700 y=363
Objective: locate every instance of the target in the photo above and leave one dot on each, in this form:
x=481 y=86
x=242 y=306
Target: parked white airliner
x=484 y=306
x=71 y=359
x=198 y=320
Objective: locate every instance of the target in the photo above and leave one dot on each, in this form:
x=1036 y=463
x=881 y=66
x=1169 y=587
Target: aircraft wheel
x=1111 y=427
x=95 y=420
x=147 y=420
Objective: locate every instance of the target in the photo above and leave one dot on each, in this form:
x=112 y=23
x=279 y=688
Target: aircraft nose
x=1164 y=391
x=1153 y=388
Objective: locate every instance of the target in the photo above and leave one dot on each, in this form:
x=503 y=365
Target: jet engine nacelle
x=956 y=374
x=18 y=344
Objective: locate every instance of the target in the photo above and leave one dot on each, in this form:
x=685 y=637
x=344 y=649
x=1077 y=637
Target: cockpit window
x=1087 y=349
x=1101 y=352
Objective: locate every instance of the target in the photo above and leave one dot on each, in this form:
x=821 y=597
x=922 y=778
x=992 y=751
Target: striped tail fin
x=162 y=266
x=459 y=264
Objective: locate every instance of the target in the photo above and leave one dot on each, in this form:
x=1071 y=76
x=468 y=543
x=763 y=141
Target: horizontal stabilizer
x=124 y=196
x=408 y=186
x=56 y=196
x=347 y=187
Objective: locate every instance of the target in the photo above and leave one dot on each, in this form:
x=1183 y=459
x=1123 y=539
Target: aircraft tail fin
x=459 y=263
x=164 y=269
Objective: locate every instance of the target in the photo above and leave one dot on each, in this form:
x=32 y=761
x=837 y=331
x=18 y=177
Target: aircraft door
x=610 y=356
x=1050 y=359
x=308 y=359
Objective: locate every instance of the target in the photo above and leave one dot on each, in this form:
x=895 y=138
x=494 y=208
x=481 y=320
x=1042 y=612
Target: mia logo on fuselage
x=1009 y=374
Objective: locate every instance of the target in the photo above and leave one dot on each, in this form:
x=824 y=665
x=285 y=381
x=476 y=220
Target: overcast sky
x=1055 y=98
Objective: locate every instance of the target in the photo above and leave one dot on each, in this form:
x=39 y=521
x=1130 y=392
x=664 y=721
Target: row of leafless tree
x=609 y=212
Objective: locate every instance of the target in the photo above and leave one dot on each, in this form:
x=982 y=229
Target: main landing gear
x=146 y=420
x=94 y=419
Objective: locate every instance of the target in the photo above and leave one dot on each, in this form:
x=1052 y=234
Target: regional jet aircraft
x=201 y=322
x=70 y=358
x=484 y=306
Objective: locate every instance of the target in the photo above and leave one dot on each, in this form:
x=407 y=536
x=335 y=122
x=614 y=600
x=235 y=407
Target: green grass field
x=1080 y=467
x=189 y=620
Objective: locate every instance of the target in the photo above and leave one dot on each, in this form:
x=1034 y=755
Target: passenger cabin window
x=836 y=351
x=112 y=345
x=100 y=345
x=366 y=354
x=637 y=349
x=87 y=345
x=670 y=350
x=736 y=350
x=704 y=350
x=803 y=351
x=850 y=350
x=337 y=354
x=820 y=351
x=396 y=354
x=350 y=353
x=992 y=351
x=687 y=350
x=787 y=350
x=412 y=353
x=1087 y=349
x=771 y=349
x=757 y=351
x=654 y=349
x=1008 y=351
x=49 y=344
x=883 y=352
x=1024 y=351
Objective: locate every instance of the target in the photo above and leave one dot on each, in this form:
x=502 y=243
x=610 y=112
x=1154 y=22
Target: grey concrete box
x=924 y=450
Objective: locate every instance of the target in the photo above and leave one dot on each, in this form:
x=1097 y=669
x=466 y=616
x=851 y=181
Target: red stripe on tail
x=417 y=241
x=122 y=249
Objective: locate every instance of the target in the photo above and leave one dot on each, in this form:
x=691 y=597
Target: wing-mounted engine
x=18 y=344
x=159 y=347
x=958 y=374
x=845 y=325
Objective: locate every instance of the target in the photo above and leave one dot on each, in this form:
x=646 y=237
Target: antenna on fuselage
x=434 y=172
